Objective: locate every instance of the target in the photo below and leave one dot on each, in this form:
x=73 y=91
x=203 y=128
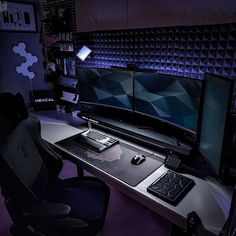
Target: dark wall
x=149 y=13
x=100 y=15
x=188 y=51
x=126 y=14
x=10 y=80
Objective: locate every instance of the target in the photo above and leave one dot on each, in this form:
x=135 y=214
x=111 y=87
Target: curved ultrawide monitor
x=171 y=99
x=106 y=87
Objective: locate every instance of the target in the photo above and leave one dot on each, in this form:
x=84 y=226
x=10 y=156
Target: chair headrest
x=12 y=111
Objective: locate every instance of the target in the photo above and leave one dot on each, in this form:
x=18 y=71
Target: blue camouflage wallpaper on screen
x=169 y=98
x=108 y=87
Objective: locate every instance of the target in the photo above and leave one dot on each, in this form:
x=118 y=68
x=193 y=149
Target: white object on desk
x=70 y=97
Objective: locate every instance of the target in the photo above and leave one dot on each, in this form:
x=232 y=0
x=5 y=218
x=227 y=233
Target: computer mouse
x=138 y=159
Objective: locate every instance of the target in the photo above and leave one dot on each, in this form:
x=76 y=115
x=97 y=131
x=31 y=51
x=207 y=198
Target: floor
x=124 y=217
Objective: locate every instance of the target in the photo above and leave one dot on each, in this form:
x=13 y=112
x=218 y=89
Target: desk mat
x=116 y=161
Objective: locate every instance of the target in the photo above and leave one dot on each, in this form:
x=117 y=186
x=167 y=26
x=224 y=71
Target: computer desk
x=208 y=198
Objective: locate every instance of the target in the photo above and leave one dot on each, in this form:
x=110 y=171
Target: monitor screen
x=106 y=87
x=168 y=98
x=215 y=112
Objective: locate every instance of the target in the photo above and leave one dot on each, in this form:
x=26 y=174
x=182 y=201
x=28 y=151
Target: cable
x=151 y=154
x=186 y=169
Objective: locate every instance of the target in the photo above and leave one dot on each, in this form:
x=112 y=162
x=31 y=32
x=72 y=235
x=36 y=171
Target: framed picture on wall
x=17 y=17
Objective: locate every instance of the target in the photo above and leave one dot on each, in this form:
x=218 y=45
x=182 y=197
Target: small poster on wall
x=17 y=17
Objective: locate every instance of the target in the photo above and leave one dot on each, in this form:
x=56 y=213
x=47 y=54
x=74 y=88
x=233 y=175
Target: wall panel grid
x=187 y=50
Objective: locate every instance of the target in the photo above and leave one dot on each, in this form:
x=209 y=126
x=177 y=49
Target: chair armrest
x=48 y=210
x=70 y=223
x=55 y=213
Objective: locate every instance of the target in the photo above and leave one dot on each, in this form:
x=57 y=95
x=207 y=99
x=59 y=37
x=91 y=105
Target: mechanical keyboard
x=171 y=187
x=96 y=140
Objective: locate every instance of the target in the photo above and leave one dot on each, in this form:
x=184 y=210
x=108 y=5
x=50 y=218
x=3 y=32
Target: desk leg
x=66 y=156
x=80 y=171
x=199 y=231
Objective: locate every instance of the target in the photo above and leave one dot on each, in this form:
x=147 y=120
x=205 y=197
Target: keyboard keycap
x=102 y=141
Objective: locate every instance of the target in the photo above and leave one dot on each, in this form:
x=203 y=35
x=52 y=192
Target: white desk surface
x=208 y=198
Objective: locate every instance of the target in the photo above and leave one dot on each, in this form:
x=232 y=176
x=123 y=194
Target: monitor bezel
x=105 y=106
x=182 y=128
x=223 y=156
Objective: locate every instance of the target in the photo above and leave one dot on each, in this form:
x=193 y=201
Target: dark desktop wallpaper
x=106 y=87
x=169 y=98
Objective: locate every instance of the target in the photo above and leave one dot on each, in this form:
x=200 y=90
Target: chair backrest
x=23 y=175
x=52 y=160
x=13 y=107
x=12 y=111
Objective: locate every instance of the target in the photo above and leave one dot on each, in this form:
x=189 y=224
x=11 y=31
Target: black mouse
x=138 y=159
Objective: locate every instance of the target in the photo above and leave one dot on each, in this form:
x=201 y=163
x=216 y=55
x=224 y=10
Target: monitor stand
x=89 y=125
